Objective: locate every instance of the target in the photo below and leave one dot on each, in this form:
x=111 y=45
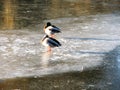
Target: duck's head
x=49 y=24
x=45 y=36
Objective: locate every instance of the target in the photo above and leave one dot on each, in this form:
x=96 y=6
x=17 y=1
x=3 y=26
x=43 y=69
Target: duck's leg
x=49 y=49
x=53 y=36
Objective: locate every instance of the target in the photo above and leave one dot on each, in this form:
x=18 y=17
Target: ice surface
x=85 y=40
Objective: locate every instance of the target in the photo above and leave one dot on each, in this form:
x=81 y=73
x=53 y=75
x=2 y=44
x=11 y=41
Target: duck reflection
x=45 y=59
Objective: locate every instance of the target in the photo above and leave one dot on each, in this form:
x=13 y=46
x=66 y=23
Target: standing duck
x=50 y=29
x=50 y=42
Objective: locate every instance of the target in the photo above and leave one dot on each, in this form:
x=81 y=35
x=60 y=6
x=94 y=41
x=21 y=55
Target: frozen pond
x=84 y=45
x=89 y=58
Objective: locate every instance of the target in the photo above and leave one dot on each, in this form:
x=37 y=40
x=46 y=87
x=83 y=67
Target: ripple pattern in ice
x=85 y=40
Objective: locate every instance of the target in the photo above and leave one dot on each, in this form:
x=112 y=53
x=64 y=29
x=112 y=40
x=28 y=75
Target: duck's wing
x=53 y=42
x=55 y=29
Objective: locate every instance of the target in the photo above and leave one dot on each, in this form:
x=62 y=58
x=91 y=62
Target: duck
x=50 y=29
x=50 y=42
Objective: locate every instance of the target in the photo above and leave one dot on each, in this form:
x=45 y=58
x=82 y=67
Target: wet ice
x=85 y=40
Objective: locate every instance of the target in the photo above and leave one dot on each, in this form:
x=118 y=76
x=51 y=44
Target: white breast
x=45 y=42
x=48 y=31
